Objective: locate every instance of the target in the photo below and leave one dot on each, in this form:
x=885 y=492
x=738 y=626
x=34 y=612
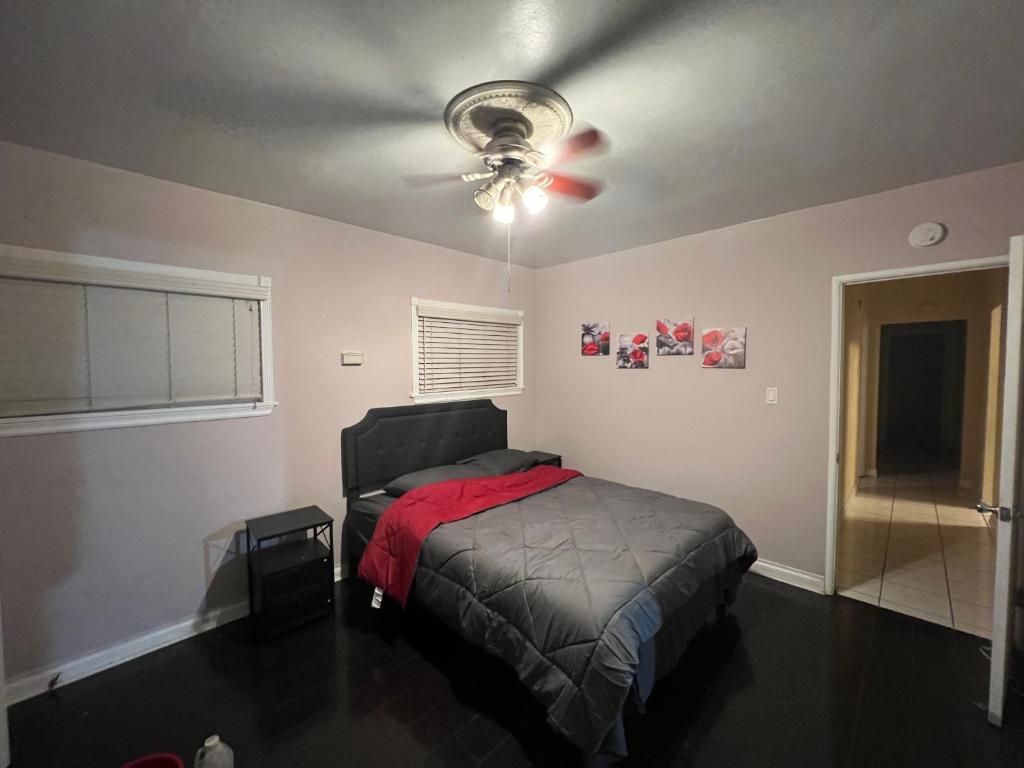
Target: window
x=88 y=343
x=461 y=351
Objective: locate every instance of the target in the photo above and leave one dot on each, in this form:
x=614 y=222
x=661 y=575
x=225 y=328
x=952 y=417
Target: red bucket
x=163 y=760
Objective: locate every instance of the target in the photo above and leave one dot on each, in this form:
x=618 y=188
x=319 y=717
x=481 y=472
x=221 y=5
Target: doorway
x=919 y=445
x=920 y=396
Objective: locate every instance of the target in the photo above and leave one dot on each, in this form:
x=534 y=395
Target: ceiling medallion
x=518 y=130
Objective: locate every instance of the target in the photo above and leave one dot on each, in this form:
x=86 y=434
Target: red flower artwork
x=713 y=338
x=632 y=351
x=674 y=337
x=595 y=340
x=683 y=332
x=724 y=347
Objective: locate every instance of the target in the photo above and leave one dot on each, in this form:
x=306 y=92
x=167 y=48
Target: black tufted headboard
x=390 y=442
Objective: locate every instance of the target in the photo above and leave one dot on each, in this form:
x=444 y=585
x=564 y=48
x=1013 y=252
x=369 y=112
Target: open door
x=5 y=744
x=1009 y=511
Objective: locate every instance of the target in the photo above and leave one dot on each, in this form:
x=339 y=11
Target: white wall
x=110 y=534
x=708 y=434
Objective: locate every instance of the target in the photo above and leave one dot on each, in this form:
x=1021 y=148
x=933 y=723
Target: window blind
x=44 y=358
x=467 y=353
x=71 y=348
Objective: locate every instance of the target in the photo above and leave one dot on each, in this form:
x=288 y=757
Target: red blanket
x=390 y=558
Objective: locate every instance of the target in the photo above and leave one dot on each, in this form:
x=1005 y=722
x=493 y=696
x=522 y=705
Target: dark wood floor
x=789 y=679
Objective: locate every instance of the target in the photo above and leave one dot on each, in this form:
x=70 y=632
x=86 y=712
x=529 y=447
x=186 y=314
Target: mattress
x=361 y=521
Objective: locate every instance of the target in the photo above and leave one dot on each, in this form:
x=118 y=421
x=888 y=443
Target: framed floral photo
x=724 y=347
x=595 y=340
x=674 y=338
x=633 y=351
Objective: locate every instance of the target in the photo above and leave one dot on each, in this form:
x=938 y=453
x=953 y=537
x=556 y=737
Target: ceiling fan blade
x=583 y=143
x=570 y=186
x=479 y=176
x=268 y=108
x=432 y=179
x=631 y=26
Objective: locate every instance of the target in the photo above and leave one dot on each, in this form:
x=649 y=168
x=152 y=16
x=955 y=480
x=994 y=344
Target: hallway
x=913 y=543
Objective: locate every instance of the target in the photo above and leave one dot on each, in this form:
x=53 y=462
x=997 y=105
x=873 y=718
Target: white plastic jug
x=215 y=754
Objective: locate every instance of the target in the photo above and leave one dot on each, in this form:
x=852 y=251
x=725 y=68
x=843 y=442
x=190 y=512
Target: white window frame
x=51 y=266
x=463 y=312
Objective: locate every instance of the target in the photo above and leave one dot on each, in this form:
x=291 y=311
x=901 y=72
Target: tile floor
x=914 y=543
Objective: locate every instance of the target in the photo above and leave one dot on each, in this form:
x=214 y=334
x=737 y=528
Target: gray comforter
x=567 y=585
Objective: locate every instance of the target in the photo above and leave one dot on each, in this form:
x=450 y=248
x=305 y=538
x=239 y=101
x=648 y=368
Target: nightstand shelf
x=291 y=569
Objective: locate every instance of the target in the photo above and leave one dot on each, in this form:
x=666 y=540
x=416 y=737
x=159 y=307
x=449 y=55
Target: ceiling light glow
x=535 y=199
x=504 y=214
x=504 y=211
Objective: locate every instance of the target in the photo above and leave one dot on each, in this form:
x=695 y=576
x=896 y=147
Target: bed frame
x=390 y=442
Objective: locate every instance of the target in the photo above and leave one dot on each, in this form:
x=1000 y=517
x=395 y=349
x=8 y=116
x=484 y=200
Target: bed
x=591 y=590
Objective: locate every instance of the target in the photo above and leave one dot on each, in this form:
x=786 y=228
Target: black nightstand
x=551 y=459
x=291 y=569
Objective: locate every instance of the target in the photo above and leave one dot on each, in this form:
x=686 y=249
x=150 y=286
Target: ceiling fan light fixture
x=535 y=199
x=483 y=197
x=504 y=123
x=505 y=211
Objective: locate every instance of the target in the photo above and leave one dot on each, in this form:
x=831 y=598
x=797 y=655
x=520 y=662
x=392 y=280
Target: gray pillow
x=503 y=461
x=412 y=480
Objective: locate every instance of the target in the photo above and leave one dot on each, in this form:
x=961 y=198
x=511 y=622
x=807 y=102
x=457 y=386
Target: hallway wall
x=854 y=389
x=976 y=297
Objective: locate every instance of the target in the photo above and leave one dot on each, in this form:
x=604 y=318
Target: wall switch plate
x=771 y=395
x=351 y=358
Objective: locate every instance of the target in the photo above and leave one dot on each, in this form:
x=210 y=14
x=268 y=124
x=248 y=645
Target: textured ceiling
x=717 y=112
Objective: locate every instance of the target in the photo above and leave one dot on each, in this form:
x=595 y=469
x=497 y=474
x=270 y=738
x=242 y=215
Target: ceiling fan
x=518 y=130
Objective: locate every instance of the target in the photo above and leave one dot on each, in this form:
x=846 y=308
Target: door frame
x=836 y=370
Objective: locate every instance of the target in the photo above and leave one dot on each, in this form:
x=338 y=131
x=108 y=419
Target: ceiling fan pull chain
x=508 y=257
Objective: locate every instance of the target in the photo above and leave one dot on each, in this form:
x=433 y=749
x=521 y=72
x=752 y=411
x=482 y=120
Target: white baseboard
x=813 y=582
x=34 y=683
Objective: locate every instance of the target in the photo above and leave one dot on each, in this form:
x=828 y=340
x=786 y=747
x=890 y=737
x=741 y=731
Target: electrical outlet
x=771 y=395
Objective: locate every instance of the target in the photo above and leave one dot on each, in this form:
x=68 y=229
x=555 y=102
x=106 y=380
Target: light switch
x=771 y=395
x=351 y=358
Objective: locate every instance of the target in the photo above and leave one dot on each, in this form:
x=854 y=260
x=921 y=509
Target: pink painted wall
x=110 y=534
x=708 y=434
x=113 y=533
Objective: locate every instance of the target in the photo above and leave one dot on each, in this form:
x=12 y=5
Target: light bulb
x=504 y=214
x=535 y=199
x=504 y=211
